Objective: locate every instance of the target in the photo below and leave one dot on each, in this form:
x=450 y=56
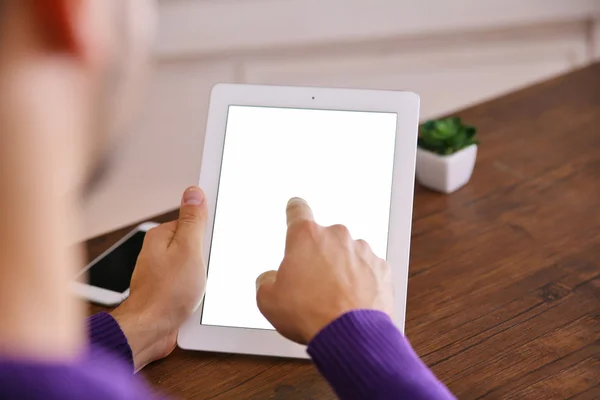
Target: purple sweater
x=361 y=354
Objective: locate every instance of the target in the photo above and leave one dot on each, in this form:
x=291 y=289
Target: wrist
x=318 y=322
x=149 y=336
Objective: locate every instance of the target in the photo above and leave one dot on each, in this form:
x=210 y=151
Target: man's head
x=85 y=57
x=68 y=70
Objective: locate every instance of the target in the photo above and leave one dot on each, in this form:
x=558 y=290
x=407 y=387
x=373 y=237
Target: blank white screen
x=340 y=162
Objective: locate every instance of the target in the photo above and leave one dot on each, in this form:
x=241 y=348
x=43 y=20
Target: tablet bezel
x=193 y=335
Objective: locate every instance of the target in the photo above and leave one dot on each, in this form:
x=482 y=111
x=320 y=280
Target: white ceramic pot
x=445 y=174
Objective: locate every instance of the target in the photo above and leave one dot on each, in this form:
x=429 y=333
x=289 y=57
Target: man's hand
x=168 y=282
x=324 y=274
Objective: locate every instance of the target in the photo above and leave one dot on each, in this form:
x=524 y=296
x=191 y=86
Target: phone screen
x=114 y=271
x=340 y=162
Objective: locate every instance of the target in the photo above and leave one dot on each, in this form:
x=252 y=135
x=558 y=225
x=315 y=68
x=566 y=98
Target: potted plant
x=446 y=154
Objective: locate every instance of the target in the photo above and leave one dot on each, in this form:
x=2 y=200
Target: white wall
x=453 y=53
x=595 y=37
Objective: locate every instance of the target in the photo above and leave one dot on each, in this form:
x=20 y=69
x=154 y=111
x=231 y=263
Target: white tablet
x=349 y=153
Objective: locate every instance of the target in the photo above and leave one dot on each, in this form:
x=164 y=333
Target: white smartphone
x=106 y=279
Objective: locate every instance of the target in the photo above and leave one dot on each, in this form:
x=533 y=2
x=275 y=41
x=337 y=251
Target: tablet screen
x=340 y=162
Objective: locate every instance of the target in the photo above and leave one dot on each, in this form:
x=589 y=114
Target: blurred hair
x=2 y=15
x=4 y=5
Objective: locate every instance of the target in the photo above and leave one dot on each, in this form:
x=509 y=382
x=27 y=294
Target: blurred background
x=454 y=53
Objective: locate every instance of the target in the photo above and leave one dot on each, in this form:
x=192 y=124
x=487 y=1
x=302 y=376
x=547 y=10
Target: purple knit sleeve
x=364 y=356
x=103 y=371
x=105 y=332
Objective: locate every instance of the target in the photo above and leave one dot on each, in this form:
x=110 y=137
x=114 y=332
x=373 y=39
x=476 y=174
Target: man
x=67 y=72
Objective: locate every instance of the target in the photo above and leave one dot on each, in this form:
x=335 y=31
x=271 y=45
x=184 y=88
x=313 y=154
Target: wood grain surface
x=504 y=288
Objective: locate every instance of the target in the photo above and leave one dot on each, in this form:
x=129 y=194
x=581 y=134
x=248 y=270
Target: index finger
x=297 y=211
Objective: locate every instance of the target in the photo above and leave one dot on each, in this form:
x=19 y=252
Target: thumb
x=192 y=218
x=265 y=293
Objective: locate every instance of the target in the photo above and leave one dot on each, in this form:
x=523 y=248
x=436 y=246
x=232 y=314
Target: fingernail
x=296 y=200
x=262 y=279
x=193 y=197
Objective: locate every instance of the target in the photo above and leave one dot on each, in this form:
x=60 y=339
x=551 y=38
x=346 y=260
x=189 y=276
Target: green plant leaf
x=429 y=125
x=457 y=141
x=433 y=147
x=446 y=136
x=471 y=131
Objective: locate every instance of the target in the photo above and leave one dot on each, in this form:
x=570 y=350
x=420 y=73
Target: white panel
x=198 y=27
x=595 y=39
x=163 y=155
x=447 y=78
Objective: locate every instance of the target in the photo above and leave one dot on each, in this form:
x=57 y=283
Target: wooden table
x=504 y=289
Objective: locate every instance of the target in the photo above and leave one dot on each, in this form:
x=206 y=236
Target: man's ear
x=57 y=21
x=69 y=27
